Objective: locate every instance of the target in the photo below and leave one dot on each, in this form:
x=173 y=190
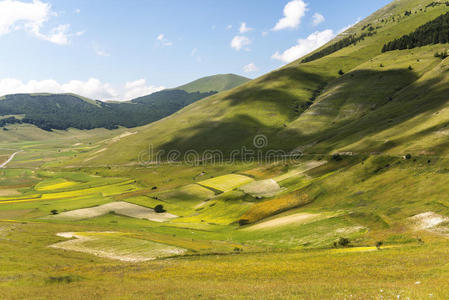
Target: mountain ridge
x=339 y=102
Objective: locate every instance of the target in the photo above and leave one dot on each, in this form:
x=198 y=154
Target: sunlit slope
x=311 y=106
x=218 y=83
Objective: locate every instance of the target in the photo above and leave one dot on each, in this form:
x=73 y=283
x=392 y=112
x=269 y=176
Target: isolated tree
x=54 y=212
x=159 y=209
x=343 y=242
x=340 y=72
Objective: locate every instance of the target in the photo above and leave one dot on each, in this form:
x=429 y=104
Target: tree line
x=433 y=32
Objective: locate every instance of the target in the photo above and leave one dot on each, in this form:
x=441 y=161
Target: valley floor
x=324 y=227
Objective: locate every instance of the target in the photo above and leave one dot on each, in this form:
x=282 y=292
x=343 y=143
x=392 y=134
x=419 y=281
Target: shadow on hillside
x=408 y=100
x=278 y=87
x=396 y=103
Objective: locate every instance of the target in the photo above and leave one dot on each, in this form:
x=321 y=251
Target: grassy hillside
x=311 y=107
x=218 y=83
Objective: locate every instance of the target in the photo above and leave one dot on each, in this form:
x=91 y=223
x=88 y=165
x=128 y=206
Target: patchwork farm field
x=270 y=231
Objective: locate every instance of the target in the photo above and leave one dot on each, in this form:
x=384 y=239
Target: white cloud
x=229 y=27
x=318 y=19
x=163 y=41
x=31 y=16
x=92 y=88
x=139 y=88
x=100 y=51
x=249 y=68
x=244 y=28
x=305 y=46
x=294 y=11
x=77 y=11
x=80 y=33
x=240 y=41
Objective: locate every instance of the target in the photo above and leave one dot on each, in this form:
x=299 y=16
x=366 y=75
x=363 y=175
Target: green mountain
x=218 y=83
x=63 y=111
x=348 y=96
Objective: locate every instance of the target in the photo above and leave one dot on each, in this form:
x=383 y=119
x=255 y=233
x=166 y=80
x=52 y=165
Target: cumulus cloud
x=77 y=11
x=139 y=88
x=92 y=88
x=305 y=46
x=163 y=41
x=239 y=42
x=244 y=28
x=294 y=11
x=31 y=16
x=318 y=19
x=249 y=68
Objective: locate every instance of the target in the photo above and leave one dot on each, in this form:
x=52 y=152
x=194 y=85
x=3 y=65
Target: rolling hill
x=348 y=96
x=218 y=83
x=63 y=111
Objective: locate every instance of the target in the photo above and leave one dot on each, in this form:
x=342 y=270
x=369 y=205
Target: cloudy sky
x=119 y=50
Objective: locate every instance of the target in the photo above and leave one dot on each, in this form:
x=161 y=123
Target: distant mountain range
x=63 y=111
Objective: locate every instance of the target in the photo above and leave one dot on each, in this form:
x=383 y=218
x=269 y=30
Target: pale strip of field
x=303 y=168
x=427 y=220
x=9 y=192
x=294 y=219
x=262 y=188
x=226 y=183
x=120 y=207
x=116 y=245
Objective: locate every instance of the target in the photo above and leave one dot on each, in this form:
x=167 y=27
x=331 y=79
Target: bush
x=54 y=212
x=243 y=222
x=379 y=244
x=340 y=72
x=343 y=242
x=408 y=156
x=159 y=209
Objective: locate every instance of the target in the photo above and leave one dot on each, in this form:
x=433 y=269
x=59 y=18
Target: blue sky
x=114 y=49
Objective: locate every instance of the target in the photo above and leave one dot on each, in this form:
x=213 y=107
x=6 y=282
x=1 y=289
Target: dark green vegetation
x=343 y=43
x=48 y=111
x=217 y=83
x=434 y=32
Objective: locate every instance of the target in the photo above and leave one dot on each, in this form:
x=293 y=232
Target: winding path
x=9 y=159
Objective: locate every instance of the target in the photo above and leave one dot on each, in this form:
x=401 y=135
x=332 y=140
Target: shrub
x=408 y=156
x=54 y=212
x=410 y=68
x=379 y=244
x=159 y=209
x=343 y=242
x=340 y=72
x=243 y=222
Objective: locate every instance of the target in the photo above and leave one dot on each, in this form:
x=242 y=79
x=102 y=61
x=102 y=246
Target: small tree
x=343 y=242
x=54 y=212
x=410 y=68
x=379 y=244
x=341 y=72
x=159 y=209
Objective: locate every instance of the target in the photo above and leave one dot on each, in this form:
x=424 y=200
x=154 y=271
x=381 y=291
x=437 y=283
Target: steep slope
x=218 y=83
x=311 y=106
